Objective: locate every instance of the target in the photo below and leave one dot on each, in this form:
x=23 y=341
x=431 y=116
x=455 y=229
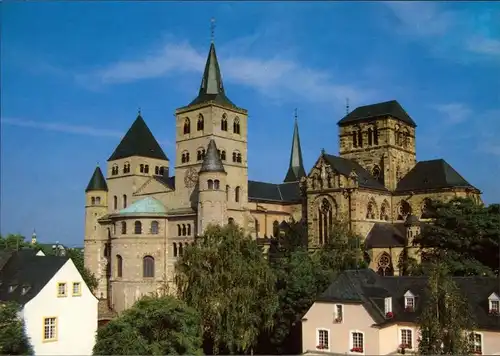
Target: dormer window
x=25 y=290
x=409 y=301
x=12 y=288
x=388 y=307
x=494 y=304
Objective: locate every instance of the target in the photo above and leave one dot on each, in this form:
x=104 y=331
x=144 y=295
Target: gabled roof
x=212 y=161
x=138 y=141
x=346 y=166
x=271 y=192
x=296 y=168
x=25 y=269
x=386 y=235
x=392 y=108
x=97 y=181
x=367 y=288
x=433 y=174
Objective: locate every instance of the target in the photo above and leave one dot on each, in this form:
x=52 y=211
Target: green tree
x=446 y=317
x=13 y=242
x=13 y=338
x=153 y=326
x=226 y=277
x=464 y=235
x=77 y=257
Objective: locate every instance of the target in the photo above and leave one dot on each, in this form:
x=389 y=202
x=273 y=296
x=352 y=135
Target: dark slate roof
x=97 y=181
x=25 y=269
x=270 y=192
x=212 y=161
x=369 y=289
x=386 y=235
x=392 y=108
x=138 y=141
x=345 y=166
x=433 y=174
x=168 y=181
x=296 y=168
x=212 y=88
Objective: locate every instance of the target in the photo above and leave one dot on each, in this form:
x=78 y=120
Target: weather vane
x=296 y=114
x=212 y=29
x=347 y=106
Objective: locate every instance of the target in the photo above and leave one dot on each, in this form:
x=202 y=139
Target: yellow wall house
x=363 y=313
x=139 y=217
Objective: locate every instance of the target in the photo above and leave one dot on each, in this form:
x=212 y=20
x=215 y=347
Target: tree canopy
x=464 y=235
x=226 y=277
x=13 y=338
x=153 y=326
x=446 y=318
x=77 y=257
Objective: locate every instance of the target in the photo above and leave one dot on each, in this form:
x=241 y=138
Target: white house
x=59 y=310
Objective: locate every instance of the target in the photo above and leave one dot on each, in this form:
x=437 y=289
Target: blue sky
x=73 y=75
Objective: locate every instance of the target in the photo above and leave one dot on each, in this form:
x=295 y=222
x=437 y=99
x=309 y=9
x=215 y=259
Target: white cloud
x=483 y=45
x=455 y=113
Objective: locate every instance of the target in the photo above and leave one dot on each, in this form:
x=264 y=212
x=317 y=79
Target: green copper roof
x=145 y=206
x=212 y=161
x=97 y=182
x=138 y=141
x=212 y=88
x=296 y=168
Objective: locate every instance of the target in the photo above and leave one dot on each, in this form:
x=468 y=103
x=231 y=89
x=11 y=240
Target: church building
x=140 y=217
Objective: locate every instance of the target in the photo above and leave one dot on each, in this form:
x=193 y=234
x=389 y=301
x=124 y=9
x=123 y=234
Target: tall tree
x=77 y=257
x=464 y=235
x=226 y=277
x=446 y=318
x=153 y=326
x=13 y=242
x=13 y=338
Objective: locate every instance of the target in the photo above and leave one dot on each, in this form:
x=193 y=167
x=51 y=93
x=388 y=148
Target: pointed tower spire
x=97 y=182
x=212 y=161
x=296 y=169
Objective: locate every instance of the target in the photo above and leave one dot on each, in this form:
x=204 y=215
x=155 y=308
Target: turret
x=96 y=206
x=212 y=200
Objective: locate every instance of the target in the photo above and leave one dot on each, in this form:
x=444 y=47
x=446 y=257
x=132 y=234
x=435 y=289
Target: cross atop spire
x=296 y=169
x=212 y=29
x=296 y=115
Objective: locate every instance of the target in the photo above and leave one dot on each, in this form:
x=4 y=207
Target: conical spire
x=212 y=162
x=97 y=182
x=296 y=168
x=212 y=88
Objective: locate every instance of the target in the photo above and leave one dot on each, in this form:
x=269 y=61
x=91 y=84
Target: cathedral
x=140 y=217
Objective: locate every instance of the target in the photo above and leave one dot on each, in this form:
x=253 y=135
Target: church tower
x=296 y=168
x=212 y=202
x=96 y=206
x=381 y=138
x=212 y=116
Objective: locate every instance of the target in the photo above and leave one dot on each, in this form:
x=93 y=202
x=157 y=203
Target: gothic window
x=376 y=172
x=216 y=184
x=354 y=139
x=210 y=184
x=119 y=266
x=276 y=228
x=187 y=126
x=370 y=211
x=223 y=123
x=236 y=126
x=174 y=249
x=360 y=138
x=237 y=194
x=137 y=227
x=375 y=135
x=201 y=123
x=404 y=210
x=383 y=211
x=124 y=201
x=124 y=227
x=384 y=265
x=325 y=220
x=155 y=227
x=405 y=138
x=370 y=137
x=426 y=205
x=148 y=267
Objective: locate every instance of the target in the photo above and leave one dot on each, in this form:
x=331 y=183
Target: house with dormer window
x=59 y=310
x=379 y=315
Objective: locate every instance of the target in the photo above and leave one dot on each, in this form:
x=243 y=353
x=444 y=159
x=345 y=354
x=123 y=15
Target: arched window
x=181 y=250
x=189 y=229
x=185 y=157
x=155 y=227
x=148 y=267
x=223 y=123
x=236 y=126
x=187 y=126
x=174 y=249
x=124 y=227
x=257 y=227
x=141 y=168
x=370 y=210
x=360 y=138
x=201 y=123
x=238 y=158
x=223 y=155
x=230 y=221
x=354 y=139
x=426 y=209
x=119 y=266
x=237 y=194
x=146 y=168
x=98 y=200
x=162 y=171
x=216 y=184
x=124 y=201
x=114 y=170
x=137 y=227
x=210 y=184
x=370 y=137
x=157 y=170
x=276 y=228
x=404 y=210
x=200 y=154
x=325 y=221
x=184 y=231
x=384 y=265
x=375 y=135
x=376 y=172
x=115 y=202
x=92 y=201
x=384 y=208
x=227 y=192
x=234 y=156
x=126 y=167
